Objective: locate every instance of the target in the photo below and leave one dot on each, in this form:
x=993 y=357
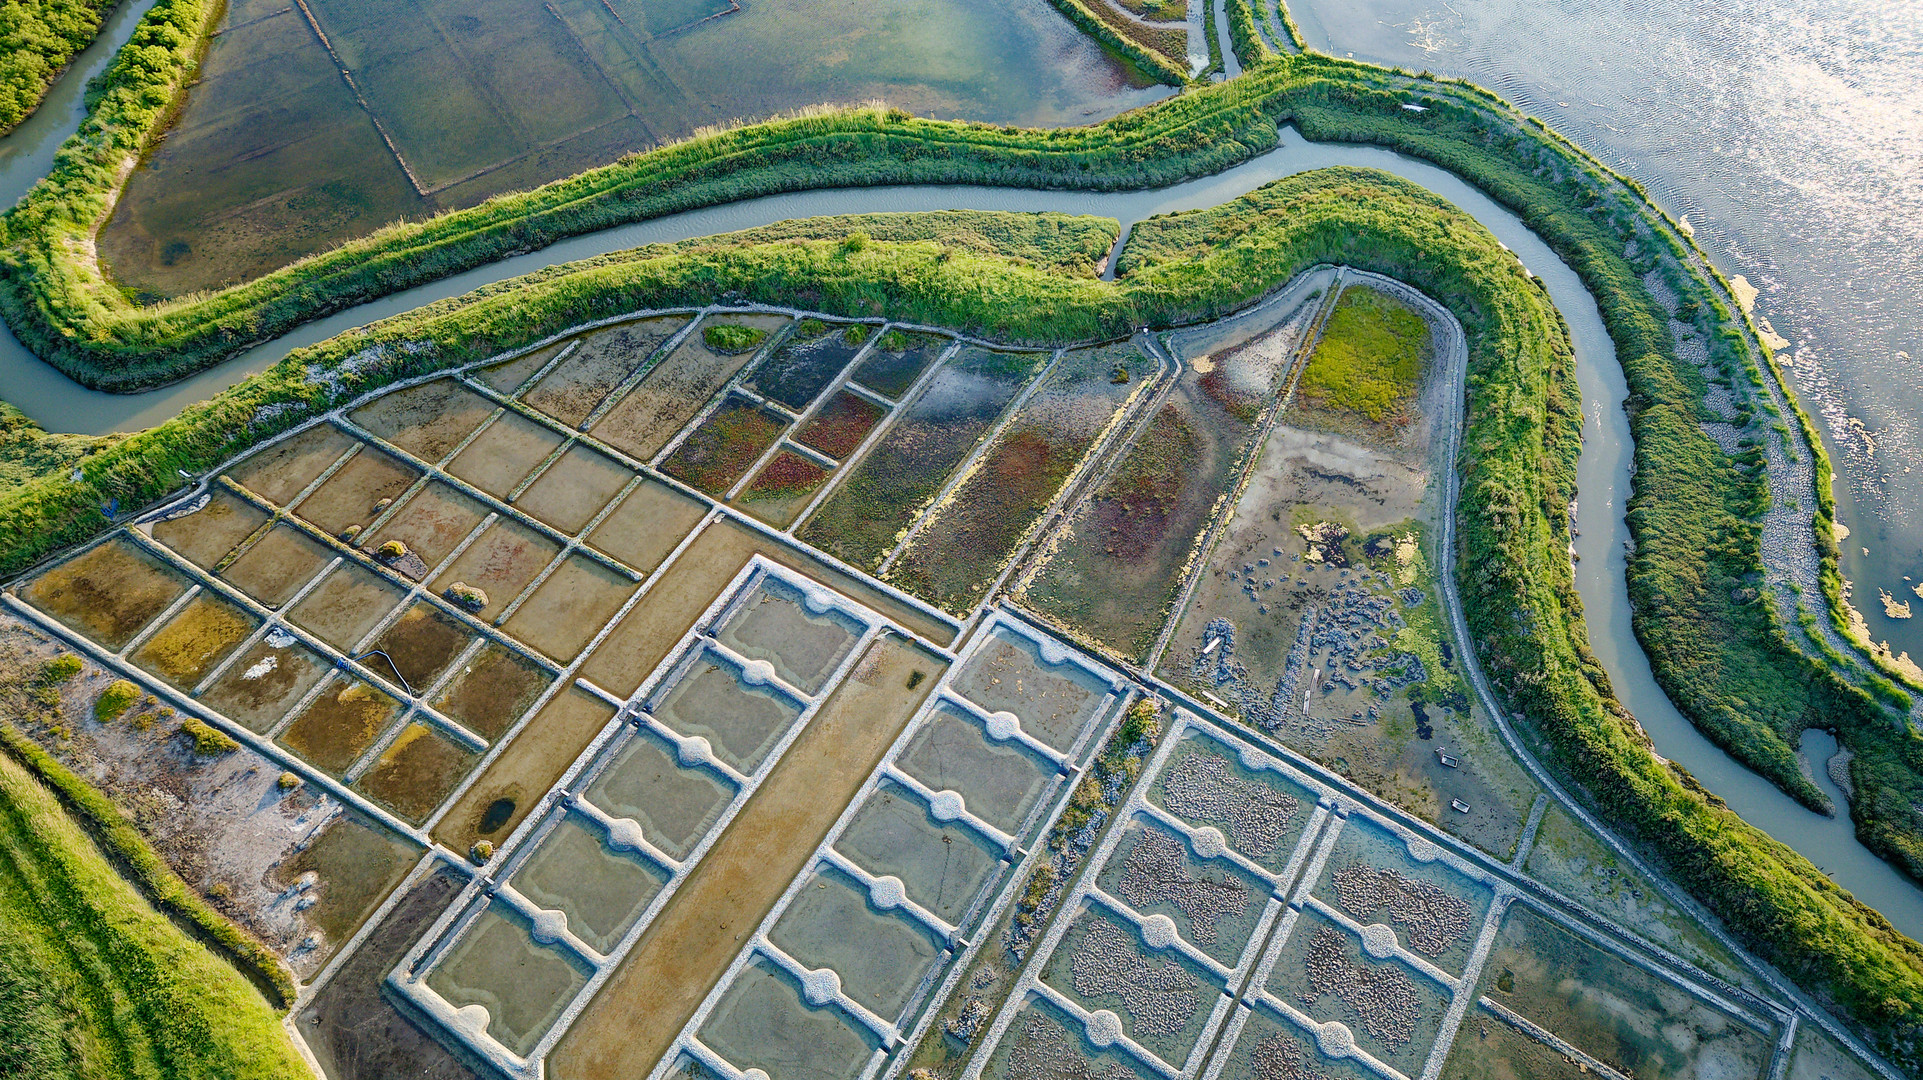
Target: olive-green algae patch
x=108 y=592
x=416 y=771
x=1369 y=360
x=419 y=645
x=340 y=724
x=199 y=637
x=492 y=691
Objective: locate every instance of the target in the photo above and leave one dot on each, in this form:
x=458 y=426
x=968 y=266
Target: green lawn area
x=1370 y=358
x=96 y=983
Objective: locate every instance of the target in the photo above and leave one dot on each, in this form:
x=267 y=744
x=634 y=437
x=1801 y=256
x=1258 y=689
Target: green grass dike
x=1519 y=458
x=38 y=39
x=1716 y=645
x=96 y=983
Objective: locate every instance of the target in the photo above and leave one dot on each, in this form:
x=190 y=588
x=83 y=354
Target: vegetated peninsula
x=1736 y=659
x=38 y=38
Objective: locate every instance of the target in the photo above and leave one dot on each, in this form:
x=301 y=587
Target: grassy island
x=1719 y=649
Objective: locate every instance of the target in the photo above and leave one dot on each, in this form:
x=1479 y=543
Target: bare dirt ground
x=292 y=867
x=1321 y=620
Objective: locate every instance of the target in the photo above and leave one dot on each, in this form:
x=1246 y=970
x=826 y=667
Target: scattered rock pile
x=1203 y=787
x=1432 y=920
x=1279 y=1057
x=1382 y=998
x=1160 y=999
x=1157 y=871
x=1045 y=1050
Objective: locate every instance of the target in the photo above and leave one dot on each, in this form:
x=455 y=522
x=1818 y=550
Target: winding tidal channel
x=59 y=404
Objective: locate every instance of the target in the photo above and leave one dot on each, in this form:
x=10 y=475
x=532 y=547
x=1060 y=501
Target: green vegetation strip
x=93 y=981
x=38 y=38
x=138 y=860
x=1521 y=446
x=1158 y=52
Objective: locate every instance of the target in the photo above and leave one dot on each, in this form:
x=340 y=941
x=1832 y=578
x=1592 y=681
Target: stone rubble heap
x=1160 y=999
x=1382 y=998
x=1202 y=787
x=1432 y=920
x=1157 y=871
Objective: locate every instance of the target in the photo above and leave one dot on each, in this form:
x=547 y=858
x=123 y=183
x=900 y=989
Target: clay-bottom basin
x=187 y=648
x=351 y=601
x=340 y=724
x=740 y=721
x=502 y=455
x=600 y=890
x=107 y=592
x=416 y=771
x=284 y=468
x=257 y=689
x=432 y=523
x=570 y=607
x=601 y=362
x=775 y=623
x=428 y=420
x=523 y=986
x=492 y=690
x=209 y=533
x=647 y=525
x=357 y=491
x=277 y=565
x=763 y=1022
x=574 y=489
x=999 y=781
x=942 y=865
x=674 y=806
x=881 y=957
x=1054 y=702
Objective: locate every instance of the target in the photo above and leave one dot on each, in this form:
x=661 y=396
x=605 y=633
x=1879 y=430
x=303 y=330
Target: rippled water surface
x=1791 y=134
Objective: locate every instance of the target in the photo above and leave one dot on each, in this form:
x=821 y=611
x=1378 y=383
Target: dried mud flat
x=292 y=867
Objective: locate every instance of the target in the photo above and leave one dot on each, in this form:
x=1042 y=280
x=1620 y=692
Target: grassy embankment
x=1159 y=53
x=1520 y=453
x=38 y=39
x=94 y=981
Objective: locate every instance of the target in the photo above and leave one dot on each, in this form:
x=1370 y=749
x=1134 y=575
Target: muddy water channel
x=62 y=405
